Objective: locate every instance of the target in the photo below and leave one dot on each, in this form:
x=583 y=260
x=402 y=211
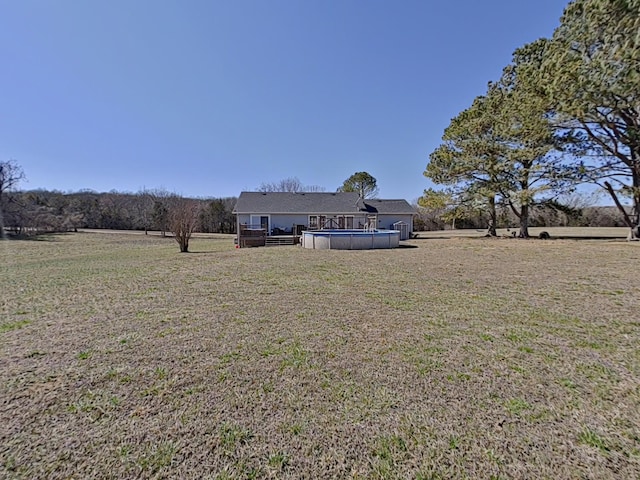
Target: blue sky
x=207 y=98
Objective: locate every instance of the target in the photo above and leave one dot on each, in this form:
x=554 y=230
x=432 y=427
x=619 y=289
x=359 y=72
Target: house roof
x=397 y=206
x=316 y=202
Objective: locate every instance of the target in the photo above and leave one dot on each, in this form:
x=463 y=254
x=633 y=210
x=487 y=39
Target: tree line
x=574 y=210
x=41 y=211
x=44 y=211
x=565 y=112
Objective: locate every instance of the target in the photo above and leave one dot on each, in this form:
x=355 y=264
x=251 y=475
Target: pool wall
x=350 y=239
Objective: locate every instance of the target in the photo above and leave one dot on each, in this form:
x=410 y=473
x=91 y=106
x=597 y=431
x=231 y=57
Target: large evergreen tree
x=533 y=171
x=361 y=182
x=591 y=71
x=467 y=162
x=503 y=147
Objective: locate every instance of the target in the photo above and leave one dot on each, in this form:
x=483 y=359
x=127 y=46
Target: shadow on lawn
x=531 y=238
x=438 y=238
x=200 y=252
x=38 y=237
x=407 y=245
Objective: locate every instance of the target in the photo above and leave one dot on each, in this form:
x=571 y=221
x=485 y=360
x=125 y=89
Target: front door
x=348 y=222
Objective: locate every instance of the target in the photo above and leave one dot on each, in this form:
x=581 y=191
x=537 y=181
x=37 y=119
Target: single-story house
x=282 y=213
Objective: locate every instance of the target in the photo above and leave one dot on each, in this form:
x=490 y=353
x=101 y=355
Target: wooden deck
x=276 y=240
x=251 y=237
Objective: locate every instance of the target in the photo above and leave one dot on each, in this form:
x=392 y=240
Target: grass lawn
x=460 y=358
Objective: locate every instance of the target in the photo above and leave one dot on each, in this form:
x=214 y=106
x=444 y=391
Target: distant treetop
x=361 y=182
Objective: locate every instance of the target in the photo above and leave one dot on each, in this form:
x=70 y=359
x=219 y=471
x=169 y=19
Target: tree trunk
x=623 y=211
x=635 y=179
x=491 y=229
x=524 y=221
x=493 y=218
x=635 y=232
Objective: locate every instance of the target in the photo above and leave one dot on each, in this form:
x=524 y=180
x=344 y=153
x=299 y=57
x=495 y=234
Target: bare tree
x=314 y=188
x=159 y=208
x=290 y=184
x=10 y=175
x=182 y=215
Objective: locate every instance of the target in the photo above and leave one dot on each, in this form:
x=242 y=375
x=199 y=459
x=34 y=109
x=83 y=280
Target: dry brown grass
x=461 y=358
x=554 y=232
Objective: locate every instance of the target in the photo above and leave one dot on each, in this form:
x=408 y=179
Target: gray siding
x=286 y=221
x=386 y=221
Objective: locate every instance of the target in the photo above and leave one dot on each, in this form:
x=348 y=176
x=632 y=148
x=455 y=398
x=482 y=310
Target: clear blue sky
x=209 y=97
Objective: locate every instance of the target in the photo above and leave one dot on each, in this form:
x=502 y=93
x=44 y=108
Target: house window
x=260 y=221
x=317 y=222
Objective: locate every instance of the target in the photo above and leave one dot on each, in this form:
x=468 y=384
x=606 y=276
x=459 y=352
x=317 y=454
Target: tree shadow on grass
x=204 y=252
x=434 y=238
x=39 y=237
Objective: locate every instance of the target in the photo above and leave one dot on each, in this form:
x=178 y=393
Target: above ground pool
x=350 y=239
